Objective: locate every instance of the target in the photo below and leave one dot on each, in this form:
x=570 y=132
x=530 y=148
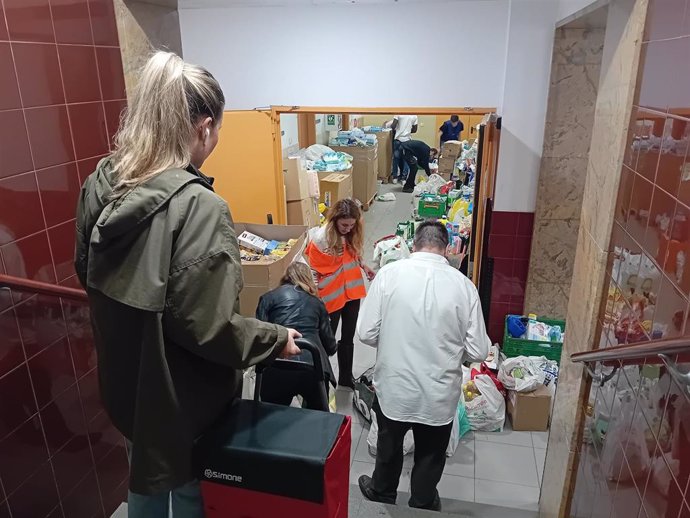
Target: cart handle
x=304 y=345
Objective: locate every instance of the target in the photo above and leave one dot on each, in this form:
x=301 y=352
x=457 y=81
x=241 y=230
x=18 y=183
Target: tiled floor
x=495 y=475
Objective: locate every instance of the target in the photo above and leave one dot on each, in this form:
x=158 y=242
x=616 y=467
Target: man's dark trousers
x=430 y=443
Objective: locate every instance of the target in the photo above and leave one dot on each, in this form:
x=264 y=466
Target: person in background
x=451 y=129
x=157 y=254
x=403 y=127
x=423 y=329
x=334 y=253
x=296 y=304
x=416 y=154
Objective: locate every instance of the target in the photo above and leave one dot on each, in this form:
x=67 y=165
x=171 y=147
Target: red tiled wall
x=641 y=467
x=61 y=92
x=510 y=240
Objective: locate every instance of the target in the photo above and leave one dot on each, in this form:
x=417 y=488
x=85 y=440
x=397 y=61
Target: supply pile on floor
x=321 y=174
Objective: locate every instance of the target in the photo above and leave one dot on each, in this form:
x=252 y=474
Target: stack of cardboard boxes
x=365 y=168
x=335 y=186
x=301 y=193
x=450 y=152
x=385 y=154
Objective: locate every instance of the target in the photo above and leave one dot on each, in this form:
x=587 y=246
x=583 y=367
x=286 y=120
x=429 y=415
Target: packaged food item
x=252 y=242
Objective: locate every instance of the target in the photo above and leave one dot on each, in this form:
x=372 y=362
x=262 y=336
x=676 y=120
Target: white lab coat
x=425 y=318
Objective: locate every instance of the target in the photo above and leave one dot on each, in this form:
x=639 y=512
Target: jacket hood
x=124 y=244
x=118 y=217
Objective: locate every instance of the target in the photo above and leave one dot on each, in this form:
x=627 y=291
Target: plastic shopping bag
x=390 y=249
x=248 y=383
x=454 y=437
x=372 y=438
x=487 y=410
x=521 y=374
x=463 y=421
x=620 y=431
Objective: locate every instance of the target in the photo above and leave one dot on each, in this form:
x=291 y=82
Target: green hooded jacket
x=162 y=269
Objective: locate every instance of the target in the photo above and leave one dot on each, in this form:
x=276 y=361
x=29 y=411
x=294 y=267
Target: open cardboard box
x=264 y=275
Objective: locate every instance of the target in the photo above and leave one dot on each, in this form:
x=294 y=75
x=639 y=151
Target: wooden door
x=247 y=170
x=474 y=121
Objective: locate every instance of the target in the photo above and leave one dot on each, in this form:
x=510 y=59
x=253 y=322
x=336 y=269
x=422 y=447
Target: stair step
x=362 y=508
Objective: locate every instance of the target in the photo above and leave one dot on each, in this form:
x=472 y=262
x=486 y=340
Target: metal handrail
x=664 y=351
x=42 y=288
x=669 y=347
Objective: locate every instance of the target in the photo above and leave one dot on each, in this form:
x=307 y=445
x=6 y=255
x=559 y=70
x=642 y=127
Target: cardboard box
x=297 y=185
x=364 y=171
x=385 y=152
x=303 y=212
x=451 y=149
x=336 y=186
x=264 y=275
x=530 y=411
x=446 y=166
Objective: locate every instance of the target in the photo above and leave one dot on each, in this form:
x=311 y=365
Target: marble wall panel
x=144 y=27
x=620 y=60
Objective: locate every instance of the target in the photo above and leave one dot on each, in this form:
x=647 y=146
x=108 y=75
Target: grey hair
x=431 y=234
x=156 y=132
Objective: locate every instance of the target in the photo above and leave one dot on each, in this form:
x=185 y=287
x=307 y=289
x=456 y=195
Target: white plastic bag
x=316 y=151
x=431 y=186
x=248 y=383
x=454 y=437
x=389 y=196
x=549 y=367
x=486 y=412
x=521 y=374
x=613 y=461
x=661 y=476
x=372 y=438
x=389 y=250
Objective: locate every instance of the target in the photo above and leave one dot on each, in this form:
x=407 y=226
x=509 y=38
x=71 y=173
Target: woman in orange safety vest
x=334 y=253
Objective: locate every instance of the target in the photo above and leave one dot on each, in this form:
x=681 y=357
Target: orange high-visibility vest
x=339 y=277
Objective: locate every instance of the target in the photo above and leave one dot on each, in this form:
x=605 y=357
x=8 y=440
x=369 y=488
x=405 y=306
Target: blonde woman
x=296 y=304
x=157 y=254
x=334 y=253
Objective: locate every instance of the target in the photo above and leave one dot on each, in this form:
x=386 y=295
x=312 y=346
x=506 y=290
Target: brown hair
x=299 y=274
x=345 y=209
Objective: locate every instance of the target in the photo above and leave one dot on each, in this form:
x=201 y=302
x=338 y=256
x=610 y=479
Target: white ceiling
x=201 y=4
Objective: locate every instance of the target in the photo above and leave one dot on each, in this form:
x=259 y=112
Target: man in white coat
x=425 y=318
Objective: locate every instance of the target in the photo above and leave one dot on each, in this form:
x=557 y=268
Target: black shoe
x=408 y=190
x=434 y=506
x=369 y=493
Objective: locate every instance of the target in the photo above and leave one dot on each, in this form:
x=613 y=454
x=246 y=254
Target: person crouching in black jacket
x=296 y=304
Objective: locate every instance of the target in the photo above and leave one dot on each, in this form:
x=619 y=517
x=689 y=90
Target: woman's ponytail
x=155 y=132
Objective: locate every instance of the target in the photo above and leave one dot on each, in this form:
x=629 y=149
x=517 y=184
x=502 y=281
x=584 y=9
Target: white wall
x=528 y=69
x=567 y=8
x=289 y=128
x=353 y=55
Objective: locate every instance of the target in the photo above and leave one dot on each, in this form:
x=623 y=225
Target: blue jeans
x=399 y=161
x=182 y=502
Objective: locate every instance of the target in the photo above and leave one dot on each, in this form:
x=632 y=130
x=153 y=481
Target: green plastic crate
x=431 y=206
x=513 y=347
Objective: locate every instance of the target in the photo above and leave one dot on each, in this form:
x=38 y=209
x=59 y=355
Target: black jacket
x=290 y=306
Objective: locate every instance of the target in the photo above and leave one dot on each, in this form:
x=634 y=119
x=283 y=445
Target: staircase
x=361 y=508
